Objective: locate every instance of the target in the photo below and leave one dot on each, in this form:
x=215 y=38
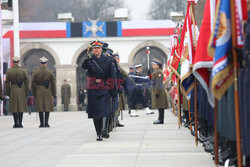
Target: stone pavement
x=70 y=142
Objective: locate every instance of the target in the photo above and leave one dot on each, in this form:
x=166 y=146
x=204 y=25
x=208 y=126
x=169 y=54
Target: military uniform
x=17 y=89
x=122 y=77
x=100 y=85
x=159 y=96
x=44 y=89
x=65 y=94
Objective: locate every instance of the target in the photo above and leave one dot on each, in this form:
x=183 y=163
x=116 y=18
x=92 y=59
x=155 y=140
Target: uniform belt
x=44 y=83
x=18 y=83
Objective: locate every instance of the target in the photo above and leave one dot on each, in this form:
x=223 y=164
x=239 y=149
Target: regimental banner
x=220 y=44
x=240 y=17
x=203 y=63
x=189 y=36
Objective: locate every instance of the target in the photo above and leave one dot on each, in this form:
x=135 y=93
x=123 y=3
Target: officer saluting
x=100 y=79
x=44 y=89
x=17 y=89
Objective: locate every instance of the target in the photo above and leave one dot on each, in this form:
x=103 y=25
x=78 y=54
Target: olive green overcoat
x=44 y=96
x=17 y=95
x=65 y=94
x=159 y=97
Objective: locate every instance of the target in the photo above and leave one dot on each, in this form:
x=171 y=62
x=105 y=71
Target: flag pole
x=195 y=80
x=195 y=112
x=189 y=115
x=215 y=132
x=179 y=108
x=236 y=93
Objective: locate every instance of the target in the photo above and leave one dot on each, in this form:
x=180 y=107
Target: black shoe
x=16 y=126
x=104 y=134
x=20 y=125
x=99 y=138
x=158 y=122
x=47 y=125
x=41 y=126
x=119 y=125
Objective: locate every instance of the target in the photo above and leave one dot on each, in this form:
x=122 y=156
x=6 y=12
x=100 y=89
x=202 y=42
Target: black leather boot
x=160 y=117
x=47 y=119
x=15 y=116
x=104 y=130
x=97 y=123
x=20 y=116
x=41 y=120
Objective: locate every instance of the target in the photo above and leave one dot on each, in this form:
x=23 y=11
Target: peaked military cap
x=138 y=66
x=43 y=60
x=131 y=67
x=110 y=51
x=105 y=45
x=15 y=59
x=96 y=43
x=156 y=61
x=116 y=55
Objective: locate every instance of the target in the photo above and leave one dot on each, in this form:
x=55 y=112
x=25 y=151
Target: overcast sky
x=138 y=8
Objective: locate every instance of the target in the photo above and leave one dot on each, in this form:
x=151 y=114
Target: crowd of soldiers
x=108 y=87
x=42 y=88
x=108 y=84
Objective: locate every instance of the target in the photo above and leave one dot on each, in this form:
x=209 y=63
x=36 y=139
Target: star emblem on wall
x=94 y=28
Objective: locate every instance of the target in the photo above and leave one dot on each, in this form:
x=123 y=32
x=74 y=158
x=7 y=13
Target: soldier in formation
x=44 y=90
x=137 y=99
x=101 y=75
x=159 y=97
x=65 y=94
x=17 y=89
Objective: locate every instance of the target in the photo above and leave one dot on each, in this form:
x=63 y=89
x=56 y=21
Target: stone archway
x=41 y=46
x=30 y=61
x=139 y=56
x=81 y=74
x=150 y=43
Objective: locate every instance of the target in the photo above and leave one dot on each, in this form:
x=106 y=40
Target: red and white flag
x=240 y=18
x=202 y=61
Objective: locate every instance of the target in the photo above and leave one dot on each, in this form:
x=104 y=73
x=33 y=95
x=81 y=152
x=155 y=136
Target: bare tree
x=160 y=9
x=47 y=10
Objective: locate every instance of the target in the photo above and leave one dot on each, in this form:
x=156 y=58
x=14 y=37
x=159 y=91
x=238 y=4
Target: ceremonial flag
x=203 y=63
x=220 y=43
x=189 y=38
x=176 y=53
x=240 y=11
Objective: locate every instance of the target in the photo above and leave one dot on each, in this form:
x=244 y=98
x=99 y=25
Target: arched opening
x=30 y=61
x=141 y=57
x=81 y=74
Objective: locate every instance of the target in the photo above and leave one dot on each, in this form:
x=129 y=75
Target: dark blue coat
x=136 y=95
x=100 y=86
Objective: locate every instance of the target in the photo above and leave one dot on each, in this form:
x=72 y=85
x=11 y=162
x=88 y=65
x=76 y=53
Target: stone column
x=66 y=72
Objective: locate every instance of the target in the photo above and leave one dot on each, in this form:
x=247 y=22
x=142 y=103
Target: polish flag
x=148 y=28
x=40 y=30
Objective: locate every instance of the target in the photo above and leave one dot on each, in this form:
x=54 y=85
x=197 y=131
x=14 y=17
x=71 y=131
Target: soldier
x=65 y=94
x=137 y=98
x=17 y=89
x=100 y=85
x=122 y=78
x=159 y=97
x=131 y=70
x=44 y=89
